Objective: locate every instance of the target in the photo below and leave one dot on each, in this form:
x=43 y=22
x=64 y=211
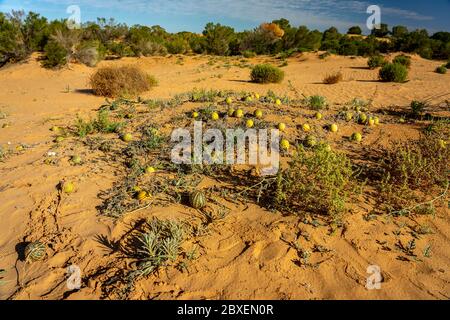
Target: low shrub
x=248 y=54
x=333 y=78
x=316 y=181
x=376 y=62
x=393 y=72
x=441 y=70
x=403 y=60
x=418 y=107
x=316 y=102
x=177 y=46
x=324 y=55
x=90 y=53
x=266 y=73
x=149 y=48
x=119 y=81
x=413 y=166
x=55 y=55
x=102 y=124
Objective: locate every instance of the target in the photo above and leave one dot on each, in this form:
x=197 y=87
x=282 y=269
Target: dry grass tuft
x=120 y=81
x=333 y=78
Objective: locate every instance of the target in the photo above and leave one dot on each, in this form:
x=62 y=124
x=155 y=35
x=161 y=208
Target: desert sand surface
x=248 y=254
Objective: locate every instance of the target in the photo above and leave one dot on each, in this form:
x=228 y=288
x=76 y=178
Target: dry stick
x=254 y=186
x=139 y=209
x=408 y=210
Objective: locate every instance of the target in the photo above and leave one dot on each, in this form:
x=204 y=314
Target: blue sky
x=192 y=15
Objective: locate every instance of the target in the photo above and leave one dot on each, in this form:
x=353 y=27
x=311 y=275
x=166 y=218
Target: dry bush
x=333 y=78
x=316 y=181
x=273 y=28
x=411 y=167
x=119 y=81
x=88 y=56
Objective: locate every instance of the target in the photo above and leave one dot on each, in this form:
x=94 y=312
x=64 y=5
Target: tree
x=382 y=31
x=331 y=34
x=399 y=31
x=263 y=39
x=355 y=30
x=218 y=38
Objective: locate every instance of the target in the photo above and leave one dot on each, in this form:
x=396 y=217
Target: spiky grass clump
x=121 y=81
x=316 y=181
x=333 y=78
x=266 y=73
x=316 y=102
x=376 y=62
x=418 y=107
x=102 y=124
x=160 y=245
x=393 y=72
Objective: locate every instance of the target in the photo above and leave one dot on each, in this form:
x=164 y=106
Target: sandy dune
x=248 y=254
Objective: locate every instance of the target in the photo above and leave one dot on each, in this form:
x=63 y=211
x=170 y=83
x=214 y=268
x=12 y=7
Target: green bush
x=403 y=60
x=55 y=55
x=441 y=70
x=248 y=54
x=418 y=107
x=355 y=30
x=393 y=72
x=177 y=46
x=316 y=102
x=266 y=73
x=120 y=49
x=316 y=181
x=448 y=65
x=376 y=62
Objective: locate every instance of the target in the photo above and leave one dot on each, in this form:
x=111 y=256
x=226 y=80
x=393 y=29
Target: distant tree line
x=22 y=34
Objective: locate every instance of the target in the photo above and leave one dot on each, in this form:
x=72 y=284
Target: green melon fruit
x=68 y=187
x=348 y=116
x=76 y=159
x=357 y=137
x=197 y=199
x=311 y=141
x=127 y=137
x=35 y=251
x=362 y=118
